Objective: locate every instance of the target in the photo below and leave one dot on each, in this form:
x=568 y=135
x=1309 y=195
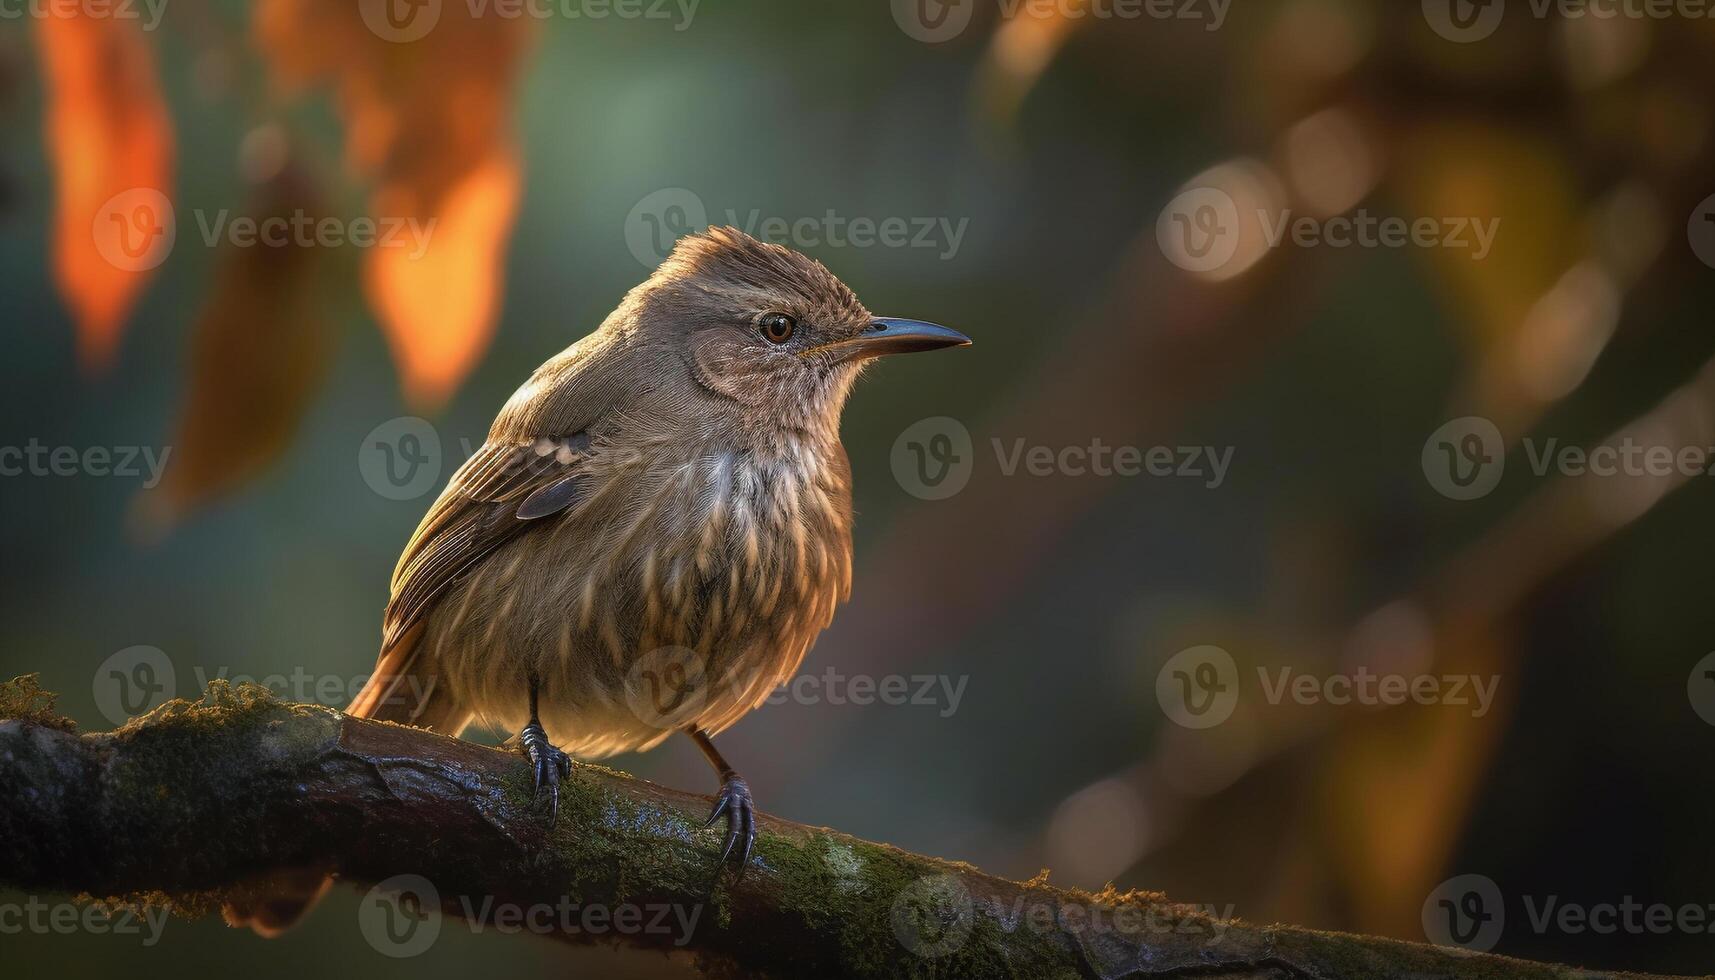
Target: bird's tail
x=398 y=691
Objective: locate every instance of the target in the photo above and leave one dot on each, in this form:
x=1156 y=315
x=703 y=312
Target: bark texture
x=187 y=805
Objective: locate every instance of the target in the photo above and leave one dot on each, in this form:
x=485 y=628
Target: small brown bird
x=654 y=533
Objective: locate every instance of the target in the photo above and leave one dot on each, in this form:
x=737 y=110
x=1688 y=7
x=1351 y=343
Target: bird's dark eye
x=777 y=327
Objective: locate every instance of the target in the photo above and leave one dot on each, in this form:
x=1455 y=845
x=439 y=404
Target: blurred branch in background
x=193 y=800
x=1394 y=785
x=1579 y=137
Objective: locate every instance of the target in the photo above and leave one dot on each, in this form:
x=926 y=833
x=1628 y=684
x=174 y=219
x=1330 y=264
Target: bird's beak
x=890 y=335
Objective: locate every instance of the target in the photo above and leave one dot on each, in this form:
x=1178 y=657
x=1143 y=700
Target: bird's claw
x=735 y=804
x=551 y=766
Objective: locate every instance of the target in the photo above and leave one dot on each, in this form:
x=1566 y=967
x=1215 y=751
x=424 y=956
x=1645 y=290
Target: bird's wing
x=528 y=469
x=503 y=489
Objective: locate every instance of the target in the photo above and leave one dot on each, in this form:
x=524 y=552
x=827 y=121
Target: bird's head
x=771 y=329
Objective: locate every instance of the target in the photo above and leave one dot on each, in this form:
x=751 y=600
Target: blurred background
x=1151 y=219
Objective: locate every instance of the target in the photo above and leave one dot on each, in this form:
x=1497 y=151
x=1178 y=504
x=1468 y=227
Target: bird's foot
x=550 y=763
x=735 y=803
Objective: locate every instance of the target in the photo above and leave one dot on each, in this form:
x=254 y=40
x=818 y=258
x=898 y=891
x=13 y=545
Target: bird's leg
x=551 y=764
x=734 y=801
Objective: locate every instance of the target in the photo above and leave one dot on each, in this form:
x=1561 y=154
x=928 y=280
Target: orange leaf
x=424 y=90
x=111 y=144
x=439 y=308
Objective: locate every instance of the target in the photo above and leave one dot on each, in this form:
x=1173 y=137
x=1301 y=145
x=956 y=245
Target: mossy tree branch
x=189 y=803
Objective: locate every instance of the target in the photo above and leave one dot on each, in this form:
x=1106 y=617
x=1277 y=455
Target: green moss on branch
x=197 y=801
